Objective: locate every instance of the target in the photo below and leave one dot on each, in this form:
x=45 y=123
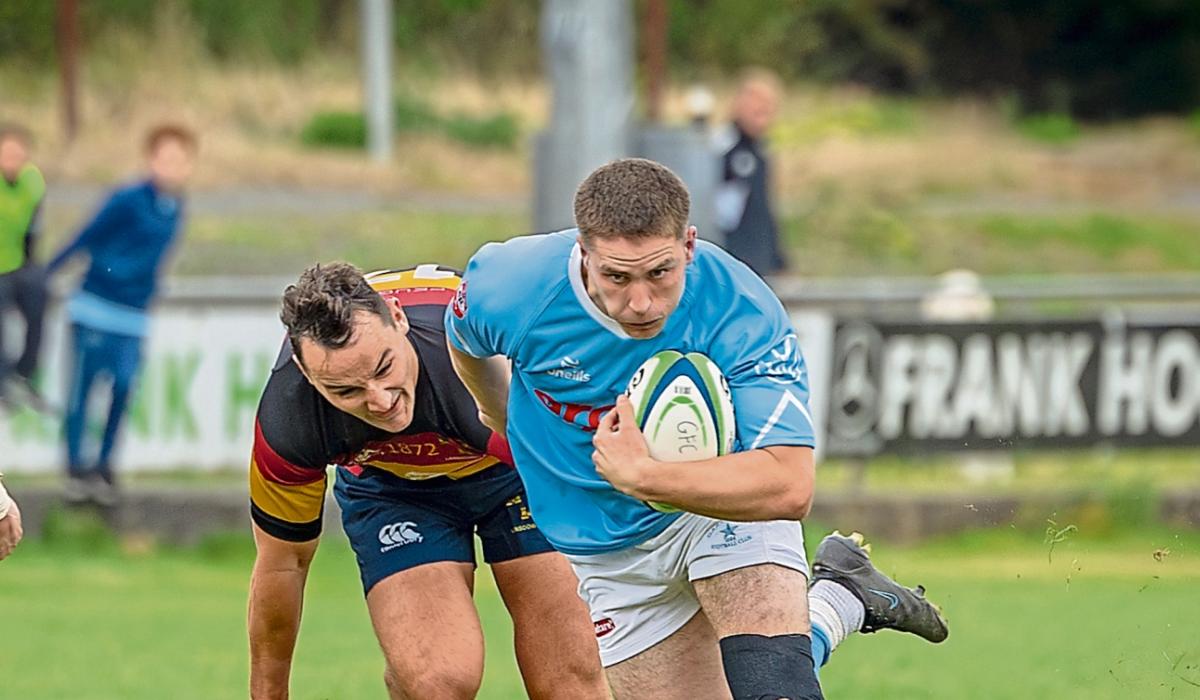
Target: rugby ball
x=683 y=407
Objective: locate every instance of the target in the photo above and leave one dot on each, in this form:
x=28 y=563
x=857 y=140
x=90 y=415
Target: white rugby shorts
x=641 y=595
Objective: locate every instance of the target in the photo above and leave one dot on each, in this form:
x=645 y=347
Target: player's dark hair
x=321 y=305
x=631 y=198
x=171 y=132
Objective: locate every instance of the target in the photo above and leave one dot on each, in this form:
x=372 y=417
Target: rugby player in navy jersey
x=364 y=382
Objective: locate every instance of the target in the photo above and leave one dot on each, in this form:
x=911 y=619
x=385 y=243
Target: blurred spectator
x=127 y=243
x=743 y=201
x=10 y=523
x=22 y=281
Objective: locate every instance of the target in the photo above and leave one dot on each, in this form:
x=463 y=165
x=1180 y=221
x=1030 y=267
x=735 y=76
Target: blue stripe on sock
x=820 y=648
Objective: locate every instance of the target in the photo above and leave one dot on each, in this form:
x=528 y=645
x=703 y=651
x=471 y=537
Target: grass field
x=1094 y=618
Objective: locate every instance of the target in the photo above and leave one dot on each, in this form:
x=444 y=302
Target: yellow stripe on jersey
x=420 y=277
x=298 y=504
x=454 y=470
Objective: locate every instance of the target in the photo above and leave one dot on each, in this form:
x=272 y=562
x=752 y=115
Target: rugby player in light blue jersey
x=574 y=314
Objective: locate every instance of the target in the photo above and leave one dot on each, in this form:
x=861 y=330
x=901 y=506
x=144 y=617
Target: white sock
x=835 y=610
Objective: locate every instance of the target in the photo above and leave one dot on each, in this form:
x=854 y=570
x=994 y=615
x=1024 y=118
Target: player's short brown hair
x=17 y=133
x=632 y=198
x=171 y=132
x=321 y=305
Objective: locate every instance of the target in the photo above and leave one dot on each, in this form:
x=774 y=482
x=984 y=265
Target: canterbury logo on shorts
x=398 y=535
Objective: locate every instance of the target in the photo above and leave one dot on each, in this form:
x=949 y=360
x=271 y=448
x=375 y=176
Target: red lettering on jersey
x=459 y=305
x=577 y=414
x=549 y=402
x=604 y=626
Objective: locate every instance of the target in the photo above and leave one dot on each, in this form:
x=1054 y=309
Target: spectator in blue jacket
x=127 y=245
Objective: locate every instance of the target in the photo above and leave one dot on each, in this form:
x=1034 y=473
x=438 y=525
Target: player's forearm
x=773 y=483
x=276 y=598
x=487 y=381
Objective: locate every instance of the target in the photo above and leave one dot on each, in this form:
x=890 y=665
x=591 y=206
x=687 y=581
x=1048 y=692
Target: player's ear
x=398 y=315
x=689 y=242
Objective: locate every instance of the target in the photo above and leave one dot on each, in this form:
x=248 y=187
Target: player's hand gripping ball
x=683 y=407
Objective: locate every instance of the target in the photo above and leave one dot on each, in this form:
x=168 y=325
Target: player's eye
x=659 y=273
x=616 y=278
x=384 y=370
x=346 y=392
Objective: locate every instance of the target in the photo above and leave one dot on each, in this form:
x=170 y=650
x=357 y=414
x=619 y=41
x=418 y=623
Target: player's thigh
x=766 y=599
x=684 y=666
x=426 y=623
x=750 y=577
x=558 y=660
x=416 y=559
x=554 y=638
x=543 y=587
x=536 y=582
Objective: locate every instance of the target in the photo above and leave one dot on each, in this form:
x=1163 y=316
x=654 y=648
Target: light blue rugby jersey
x=525 y=299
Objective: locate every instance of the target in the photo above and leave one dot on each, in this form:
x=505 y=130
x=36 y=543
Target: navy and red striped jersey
x=297 y=433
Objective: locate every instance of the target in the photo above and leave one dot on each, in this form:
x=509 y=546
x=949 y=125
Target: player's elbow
x=795 y=503
x=795 y=494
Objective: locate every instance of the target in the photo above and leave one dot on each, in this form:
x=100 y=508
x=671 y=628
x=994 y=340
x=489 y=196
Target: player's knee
x=575 y=675
x=434 y=683
x=768 y=668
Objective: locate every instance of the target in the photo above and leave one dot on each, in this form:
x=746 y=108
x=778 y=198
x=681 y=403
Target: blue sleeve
x=482 y=318
x=760 y=355
x=107 y=219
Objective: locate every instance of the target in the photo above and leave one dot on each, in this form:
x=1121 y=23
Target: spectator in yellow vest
x=22 y=281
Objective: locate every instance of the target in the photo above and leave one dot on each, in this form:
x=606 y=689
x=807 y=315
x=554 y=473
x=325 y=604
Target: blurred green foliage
x=285 y=30
x=866 y=117
x=1055 y=128
x=496 y=131
x=1052 y=55
x=340 y=129
x=335 y=130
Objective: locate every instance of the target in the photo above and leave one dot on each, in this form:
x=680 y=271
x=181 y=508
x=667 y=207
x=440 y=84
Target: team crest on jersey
x=782 y=364
x=459 y=304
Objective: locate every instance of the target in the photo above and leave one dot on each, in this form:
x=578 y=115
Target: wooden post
x=67 y=36
x=654 y=56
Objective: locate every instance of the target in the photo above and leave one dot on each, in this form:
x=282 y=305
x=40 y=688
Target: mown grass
x=837 y=239
x=1102 y=618
x=832 y=238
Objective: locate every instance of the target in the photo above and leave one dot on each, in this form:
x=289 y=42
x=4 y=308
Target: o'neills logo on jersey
x=604 y=626
x=579 y=415
x=571 y=370
x=459 y=304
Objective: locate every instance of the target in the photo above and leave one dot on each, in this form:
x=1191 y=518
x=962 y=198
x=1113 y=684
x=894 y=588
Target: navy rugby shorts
x=396 y=524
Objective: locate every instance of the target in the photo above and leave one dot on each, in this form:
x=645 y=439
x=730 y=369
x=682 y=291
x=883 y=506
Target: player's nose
x=640 y=299
x=379 y=399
